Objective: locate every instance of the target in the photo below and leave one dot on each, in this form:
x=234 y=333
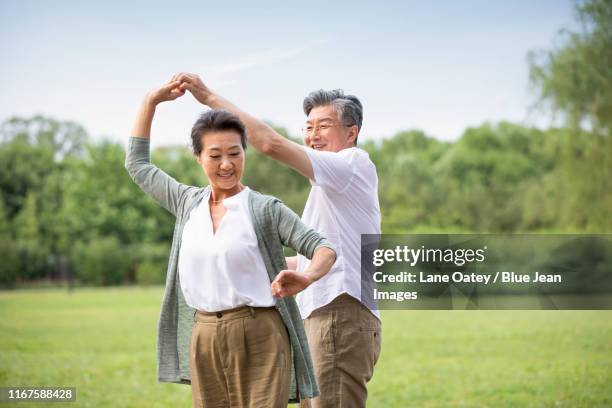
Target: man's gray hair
x=348 y=107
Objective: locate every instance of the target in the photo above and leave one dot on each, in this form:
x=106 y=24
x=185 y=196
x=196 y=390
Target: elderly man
x=344 y=335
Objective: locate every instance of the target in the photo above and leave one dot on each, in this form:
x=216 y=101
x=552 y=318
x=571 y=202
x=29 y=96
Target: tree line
x=69 y=211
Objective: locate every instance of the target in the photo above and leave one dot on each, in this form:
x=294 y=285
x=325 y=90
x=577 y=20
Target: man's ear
x=197 y=159
x=352 y=135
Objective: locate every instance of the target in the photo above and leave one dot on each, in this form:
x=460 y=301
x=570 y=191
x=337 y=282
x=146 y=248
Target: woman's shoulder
x=192 y=196
x=262 y=200
x=265 y=204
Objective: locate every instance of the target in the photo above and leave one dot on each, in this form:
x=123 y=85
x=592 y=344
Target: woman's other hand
x=167 y=92
x=288 y=283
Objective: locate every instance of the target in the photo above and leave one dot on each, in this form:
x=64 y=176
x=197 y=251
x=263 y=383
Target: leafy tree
x=31 y=150
x=63 y=138
x=575 y=80
x=10 y=265
x=32 y=252
x=5 y=226
x=9 y=254
x=23 y=168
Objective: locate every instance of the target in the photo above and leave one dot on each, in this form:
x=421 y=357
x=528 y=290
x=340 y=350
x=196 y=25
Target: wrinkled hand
x=288 y=283
x=168 y=92
x=193 y=83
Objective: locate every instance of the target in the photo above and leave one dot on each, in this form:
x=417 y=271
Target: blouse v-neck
x=230 y=204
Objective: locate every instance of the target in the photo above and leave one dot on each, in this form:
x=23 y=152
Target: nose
x=226 y=164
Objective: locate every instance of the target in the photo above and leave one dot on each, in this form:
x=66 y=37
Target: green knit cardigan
x=275 y=226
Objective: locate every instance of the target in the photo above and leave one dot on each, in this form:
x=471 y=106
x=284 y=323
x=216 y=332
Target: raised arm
x=153 y=181
x=260 y=134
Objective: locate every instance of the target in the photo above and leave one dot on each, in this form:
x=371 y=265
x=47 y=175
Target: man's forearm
x=265 y=139
x=260 y=135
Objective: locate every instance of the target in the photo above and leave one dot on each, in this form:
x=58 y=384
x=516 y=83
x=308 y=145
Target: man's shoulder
x=355 y=154
x=359 y=160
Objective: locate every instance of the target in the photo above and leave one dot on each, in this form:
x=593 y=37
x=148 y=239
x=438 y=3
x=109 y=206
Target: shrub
x=10 y=265
x=101 y=262
x=152 y=264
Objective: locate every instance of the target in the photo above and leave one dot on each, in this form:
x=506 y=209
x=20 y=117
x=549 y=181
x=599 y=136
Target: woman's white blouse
x=223 y=270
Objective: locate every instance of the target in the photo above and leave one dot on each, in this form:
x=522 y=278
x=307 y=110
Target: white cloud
x=271 y=56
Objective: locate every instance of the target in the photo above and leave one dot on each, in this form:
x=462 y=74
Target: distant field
x=103 y=342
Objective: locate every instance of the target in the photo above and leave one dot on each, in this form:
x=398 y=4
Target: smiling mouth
x=317 y=146
x=225 y=175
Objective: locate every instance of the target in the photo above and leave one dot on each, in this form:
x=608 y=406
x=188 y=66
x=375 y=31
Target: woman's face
x=222 y=159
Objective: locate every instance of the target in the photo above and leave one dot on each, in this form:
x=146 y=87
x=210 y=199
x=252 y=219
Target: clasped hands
x=176 y=87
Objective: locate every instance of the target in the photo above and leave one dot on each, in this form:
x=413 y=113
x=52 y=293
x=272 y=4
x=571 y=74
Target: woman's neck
x=218 y=195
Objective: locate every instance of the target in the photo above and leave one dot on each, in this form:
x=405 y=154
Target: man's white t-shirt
x=342 y=205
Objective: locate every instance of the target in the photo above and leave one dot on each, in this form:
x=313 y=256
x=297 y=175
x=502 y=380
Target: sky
x=438 y=66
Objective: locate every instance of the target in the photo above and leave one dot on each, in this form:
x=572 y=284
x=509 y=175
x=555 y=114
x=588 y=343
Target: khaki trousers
x=240 y=358
x=344 y=339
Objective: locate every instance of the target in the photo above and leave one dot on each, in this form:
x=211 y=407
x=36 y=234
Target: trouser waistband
x=230 y=314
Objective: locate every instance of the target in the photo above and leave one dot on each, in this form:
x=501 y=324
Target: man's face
x=324 y=130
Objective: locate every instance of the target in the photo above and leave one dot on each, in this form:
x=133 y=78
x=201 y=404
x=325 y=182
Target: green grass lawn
x=103 y=342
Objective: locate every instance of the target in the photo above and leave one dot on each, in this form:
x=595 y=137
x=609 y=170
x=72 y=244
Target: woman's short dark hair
x=212 y=121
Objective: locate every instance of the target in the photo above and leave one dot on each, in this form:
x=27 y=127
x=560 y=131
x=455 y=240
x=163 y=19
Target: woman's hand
x=167 y=92
x=288 y=283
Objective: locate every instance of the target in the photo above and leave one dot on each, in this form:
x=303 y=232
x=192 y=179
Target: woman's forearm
x=142 y=125
x=291 y=262
x=167 y=92
x=322 y=261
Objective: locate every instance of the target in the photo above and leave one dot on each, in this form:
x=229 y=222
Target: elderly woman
x=228 y=323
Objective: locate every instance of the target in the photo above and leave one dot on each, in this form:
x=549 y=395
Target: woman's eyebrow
x=219 y=149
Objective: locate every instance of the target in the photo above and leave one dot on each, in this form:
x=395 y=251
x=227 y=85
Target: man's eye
x=324 y=127
x=234 y=154
x=214 y=157
x=309 y=129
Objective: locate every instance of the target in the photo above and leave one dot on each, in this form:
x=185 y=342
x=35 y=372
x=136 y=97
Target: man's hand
x=194 y=84
x=288 y=283
x=168 y=92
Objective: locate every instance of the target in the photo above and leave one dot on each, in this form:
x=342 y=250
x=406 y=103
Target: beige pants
x=344 y=339
x=240 y=358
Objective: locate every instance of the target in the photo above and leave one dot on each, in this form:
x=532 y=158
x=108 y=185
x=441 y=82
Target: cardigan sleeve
x=157 y=184
x=295 y=234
